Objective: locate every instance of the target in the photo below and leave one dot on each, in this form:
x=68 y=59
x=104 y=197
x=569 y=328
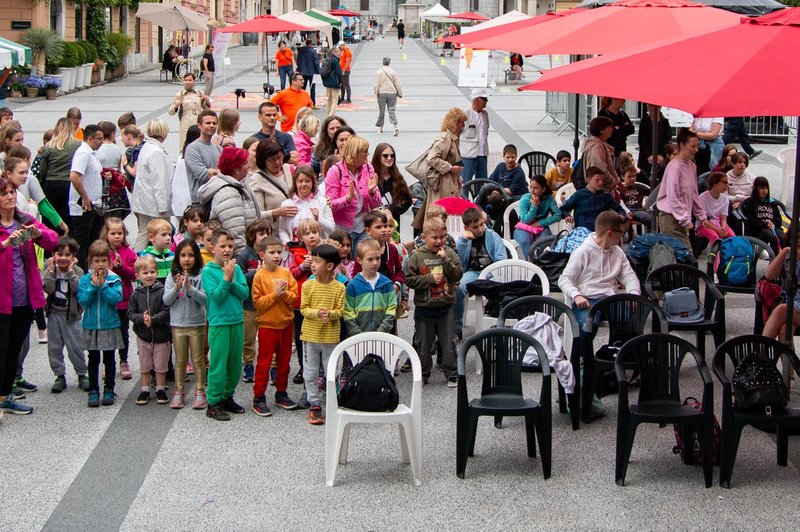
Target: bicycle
x=186 y=66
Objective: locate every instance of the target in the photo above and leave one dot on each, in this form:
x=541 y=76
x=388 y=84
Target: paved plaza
x=129 y=467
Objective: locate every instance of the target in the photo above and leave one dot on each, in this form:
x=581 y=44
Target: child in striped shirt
x=322 y=305
x=159 y=233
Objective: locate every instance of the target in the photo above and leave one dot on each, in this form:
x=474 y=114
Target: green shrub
x=89 y=50
x=70 y=58
x=80 y=53
x=120 y=42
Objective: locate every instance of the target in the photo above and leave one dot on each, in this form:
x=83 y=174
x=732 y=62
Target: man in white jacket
x=474 y=143
x=597 y=268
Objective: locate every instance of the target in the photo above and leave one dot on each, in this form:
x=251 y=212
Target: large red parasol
x=469 y=15
x=617 y=26
x=344 y=13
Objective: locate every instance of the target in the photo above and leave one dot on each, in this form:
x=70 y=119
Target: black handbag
x=758 y=386
x=370 y=387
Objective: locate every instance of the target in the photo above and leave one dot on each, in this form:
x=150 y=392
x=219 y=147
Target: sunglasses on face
x=387 y=155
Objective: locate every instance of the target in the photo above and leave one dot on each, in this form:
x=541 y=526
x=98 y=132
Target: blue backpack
x=570 y=242
x=737 y=264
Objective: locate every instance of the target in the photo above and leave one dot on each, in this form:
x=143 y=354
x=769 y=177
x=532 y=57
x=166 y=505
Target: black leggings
x=298 y=325
x=94 y=370
x=14 y=328
x=124 y=327
x=41 y=320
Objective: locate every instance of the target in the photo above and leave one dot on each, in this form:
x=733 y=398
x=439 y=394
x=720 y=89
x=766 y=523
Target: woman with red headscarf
x=232 y=201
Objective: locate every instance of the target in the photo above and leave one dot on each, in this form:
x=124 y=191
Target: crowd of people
x=291 y=241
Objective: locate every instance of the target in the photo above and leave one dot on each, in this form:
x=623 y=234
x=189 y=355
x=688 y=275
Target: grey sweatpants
x=64 y=333
x=426 y=331
x=386 y=100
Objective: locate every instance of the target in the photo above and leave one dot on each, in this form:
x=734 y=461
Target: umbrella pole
x=576 y=143
x=654 y=146
x=789 y=337
x=266 y=55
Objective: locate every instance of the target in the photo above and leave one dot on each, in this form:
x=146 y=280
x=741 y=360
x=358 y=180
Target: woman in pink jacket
x=21 y=292
x=351 y=185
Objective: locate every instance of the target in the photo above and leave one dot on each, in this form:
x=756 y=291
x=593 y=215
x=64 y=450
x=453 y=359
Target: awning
x=13 y=54
x=324 y=17
x=298 y=17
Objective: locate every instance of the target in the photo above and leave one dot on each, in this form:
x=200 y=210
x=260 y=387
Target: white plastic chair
x=787 y=158
x=568 y=190
x=455 y=226
x=408 y=417
x=511 y=248
x=505 y=271
x=508 y=231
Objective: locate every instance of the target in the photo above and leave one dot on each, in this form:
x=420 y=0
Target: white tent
x=511 y=16
x=437 y=13
x=298 y=17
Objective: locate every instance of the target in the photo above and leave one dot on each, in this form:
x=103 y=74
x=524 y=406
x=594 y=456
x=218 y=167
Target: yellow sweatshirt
x=273 y=311
x=316 y=296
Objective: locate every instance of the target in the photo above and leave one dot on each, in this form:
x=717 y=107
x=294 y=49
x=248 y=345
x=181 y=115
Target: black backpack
x=326 y=68
x=579 y=175
x=687 y=441
x=370 y=387
x=758 y=386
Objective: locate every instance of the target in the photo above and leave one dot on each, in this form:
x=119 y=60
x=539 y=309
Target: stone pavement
x=130 y=467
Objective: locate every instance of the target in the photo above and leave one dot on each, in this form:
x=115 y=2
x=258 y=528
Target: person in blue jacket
x=477 y=248
x=587 y=203
x=537 y=210
x=332 y=81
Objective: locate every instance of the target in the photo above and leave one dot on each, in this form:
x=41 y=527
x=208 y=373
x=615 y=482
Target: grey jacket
x=232 y=203
x=74 y=309
x=186 y=308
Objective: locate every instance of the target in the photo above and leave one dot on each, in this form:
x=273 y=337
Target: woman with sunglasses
x=394 y=189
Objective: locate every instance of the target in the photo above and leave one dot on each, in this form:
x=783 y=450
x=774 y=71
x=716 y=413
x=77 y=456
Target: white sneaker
x=43 y=336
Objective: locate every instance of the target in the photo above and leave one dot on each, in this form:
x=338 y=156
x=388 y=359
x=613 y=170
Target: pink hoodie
x=304 y=146
x=47 y=241
x=337 y=184
x=126 y=272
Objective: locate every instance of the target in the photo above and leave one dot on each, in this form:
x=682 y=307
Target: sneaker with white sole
x=43 y=336
x=11 y=406
x=200 y=401
x=125 y=371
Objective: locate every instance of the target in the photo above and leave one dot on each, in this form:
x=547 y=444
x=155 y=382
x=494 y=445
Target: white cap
x=479 y=93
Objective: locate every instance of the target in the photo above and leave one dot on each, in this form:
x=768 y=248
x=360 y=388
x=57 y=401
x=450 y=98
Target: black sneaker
x=260 y=407
x=298 y=378
x=25 y=386
x=217 y=413
x=108 y=397
x=405 y=368
x=59 y=385
x=231 y=406
x=282 y=400
x=249 y=373
x=18 y=394
x=144 y=398
x=755 y=154
x=161 y=397
x=452 y=382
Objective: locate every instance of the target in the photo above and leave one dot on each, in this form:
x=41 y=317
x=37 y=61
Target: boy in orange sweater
x=274 y=292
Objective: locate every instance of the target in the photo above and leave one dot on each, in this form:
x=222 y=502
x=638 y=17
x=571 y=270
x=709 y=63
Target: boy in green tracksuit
x=225 y=288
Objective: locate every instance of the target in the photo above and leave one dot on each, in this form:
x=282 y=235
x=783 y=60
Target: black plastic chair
x=676 y=276
x=537 y=162
x=501 y=352
x=733 y=420
x=627 y=316
x=472 y=188
x=658 y=358
x=526 y=306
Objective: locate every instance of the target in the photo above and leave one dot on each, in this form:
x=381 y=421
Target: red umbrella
x=465 y=39
x=455 y=206
x=469 y=15
x=264 y=24
x=343 y=13
x=617 y=26
x=695 y=74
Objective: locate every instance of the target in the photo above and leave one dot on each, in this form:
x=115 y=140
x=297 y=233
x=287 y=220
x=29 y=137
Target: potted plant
x=98 y=71
x=33 y=85
x=67 y=67
x=122 y=44
x=80 y=65
x=45 y=44
x=17 y=86
x=51 y=86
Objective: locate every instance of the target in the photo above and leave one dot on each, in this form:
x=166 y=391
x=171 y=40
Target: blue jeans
x=461 y=296
x=474 y=168
x=526 y=239
x=285 y=72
